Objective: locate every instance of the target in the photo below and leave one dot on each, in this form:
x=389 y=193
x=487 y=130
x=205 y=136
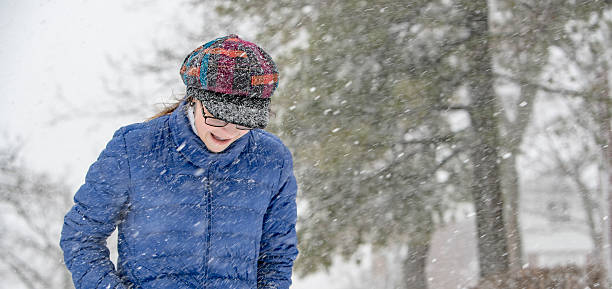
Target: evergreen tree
x=368 y=125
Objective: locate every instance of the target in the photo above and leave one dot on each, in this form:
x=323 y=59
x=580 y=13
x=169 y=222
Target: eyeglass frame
x=206 y=117
x=239 y=127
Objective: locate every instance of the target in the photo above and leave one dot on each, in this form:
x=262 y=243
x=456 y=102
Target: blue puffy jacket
x=187 y=218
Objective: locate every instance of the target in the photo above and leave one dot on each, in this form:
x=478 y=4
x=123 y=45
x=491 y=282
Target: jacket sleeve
x=278 y=248
x=97 y=208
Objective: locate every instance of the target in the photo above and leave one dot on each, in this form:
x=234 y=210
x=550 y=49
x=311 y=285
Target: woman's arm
x=97 y=207
x=279 y=241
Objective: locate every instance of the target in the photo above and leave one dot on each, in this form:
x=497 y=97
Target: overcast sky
x=54 y=53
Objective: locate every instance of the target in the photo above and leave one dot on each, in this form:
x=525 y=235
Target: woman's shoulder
x=145 y=134
x=146 y=127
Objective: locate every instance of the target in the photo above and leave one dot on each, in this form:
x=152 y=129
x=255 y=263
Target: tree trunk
x=510 y=178
x=607 y=224
x=486 y=187
x=608 y=152
x=414 y=276
x=606 y=133
x=512 y=198
x=414 y=266
x=590 y=209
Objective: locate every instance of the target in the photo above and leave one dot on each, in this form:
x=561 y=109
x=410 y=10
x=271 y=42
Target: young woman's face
x=216 y=139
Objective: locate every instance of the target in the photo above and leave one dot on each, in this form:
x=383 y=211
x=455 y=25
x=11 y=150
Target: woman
x=201 y=195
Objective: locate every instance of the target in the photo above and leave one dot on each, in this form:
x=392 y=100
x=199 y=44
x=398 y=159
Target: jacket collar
x=191 y=146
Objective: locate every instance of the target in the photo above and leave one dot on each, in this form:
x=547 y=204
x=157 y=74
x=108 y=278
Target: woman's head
x=232 y=81
x=233 y=78
x=216 y=134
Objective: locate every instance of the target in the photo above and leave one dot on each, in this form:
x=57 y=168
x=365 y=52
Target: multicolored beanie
x=233 y=78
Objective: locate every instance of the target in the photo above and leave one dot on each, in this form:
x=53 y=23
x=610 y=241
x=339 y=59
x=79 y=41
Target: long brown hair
x=168 y=109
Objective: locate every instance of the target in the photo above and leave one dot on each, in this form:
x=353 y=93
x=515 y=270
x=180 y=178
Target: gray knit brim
x=253 y=112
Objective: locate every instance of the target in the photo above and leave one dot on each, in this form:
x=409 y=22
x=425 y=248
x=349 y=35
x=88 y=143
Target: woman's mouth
x=219 y=139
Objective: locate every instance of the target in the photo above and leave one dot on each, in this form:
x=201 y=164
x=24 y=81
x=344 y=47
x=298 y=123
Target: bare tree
x=587 y=50
x=32 y=208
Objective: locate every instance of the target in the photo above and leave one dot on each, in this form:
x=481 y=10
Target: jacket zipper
x=208 y=193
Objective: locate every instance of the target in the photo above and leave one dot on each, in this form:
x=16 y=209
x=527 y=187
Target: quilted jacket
x=186 y=217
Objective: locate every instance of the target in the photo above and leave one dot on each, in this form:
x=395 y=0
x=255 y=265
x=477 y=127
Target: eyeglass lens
x=221 y=123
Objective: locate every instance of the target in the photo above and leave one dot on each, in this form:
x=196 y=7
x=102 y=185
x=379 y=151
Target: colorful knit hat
x=233 y=78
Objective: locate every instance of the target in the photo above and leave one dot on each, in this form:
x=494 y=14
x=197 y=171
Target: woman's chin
x=216 y=144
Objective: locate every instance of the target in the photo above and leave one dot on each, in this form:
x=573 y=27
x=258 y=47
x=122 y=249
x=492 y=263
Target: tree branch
x=433 y=140
x=524 y=82
x=452 y=107
x=25 y=272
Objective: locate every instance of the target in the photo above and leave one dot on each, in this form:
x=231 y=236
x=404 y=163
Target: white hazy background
x=54 y=55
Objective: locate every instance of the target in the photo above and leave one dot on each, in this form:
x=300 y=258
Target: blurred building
x=553 y=226
x=553 y=222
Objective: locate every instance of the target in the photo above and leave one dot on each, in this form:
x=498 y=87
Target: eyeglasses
x=210 y=120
